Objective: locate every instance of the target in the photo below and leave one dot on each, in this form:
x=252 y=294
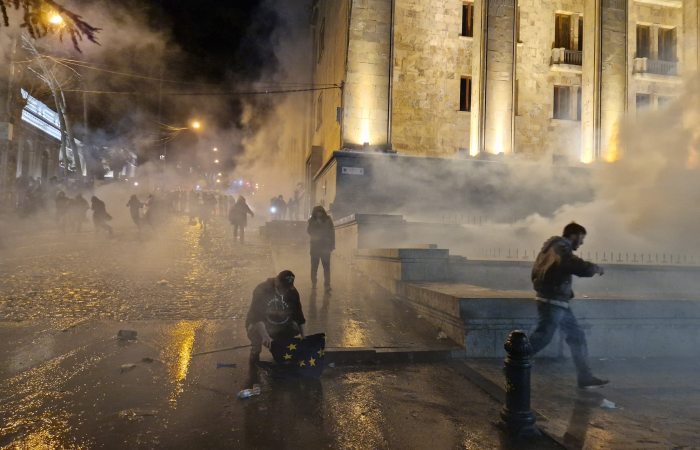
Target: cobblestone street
x=62 y=379
x=170 y=275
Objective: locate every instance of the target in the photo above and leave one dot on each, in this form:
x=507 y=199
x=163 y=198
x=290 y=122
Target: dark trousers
x=102 y=224
x=325 y=259
x=285 y=333
x=237 y=227
x=551 y=317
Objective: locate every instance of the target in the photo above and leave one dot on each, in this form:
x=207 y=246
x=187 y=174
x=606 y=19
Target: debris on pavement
x=220 y=365
x=245 y=393
x=607 y=404
x=126 y=335
x=127 y=367
x=162 y=282
x=136 y=414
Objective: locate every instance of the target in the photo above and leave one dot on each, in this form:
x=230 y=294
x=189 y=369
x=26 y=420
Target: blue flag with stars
x=298 y=357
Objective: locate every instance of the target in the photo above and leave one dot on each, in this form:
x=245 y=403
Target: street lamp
x=216 y=149
x=56 y=19
x=216 y=161
x=196 y=125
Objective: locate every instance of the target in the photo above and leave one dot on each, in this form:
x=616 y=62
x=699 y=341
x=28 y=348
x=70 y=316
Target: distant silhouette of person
x=77 y=209
x=238 y=216
x=61 y=210
x=322 y=240
x=135 y=206
x=100 y=215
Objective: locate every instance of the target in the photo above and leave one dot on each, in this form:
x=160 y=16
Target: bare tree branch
x=44 y=16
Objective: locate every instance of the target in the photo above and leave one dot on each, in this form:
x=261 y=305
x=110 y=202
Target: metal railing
x=662 y=67
x=646 y=258
x=573 y=57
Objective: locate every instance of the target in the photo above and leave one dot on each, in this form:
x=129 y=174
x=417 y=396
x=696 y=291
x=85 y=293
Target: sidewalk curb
x=498 y=393
x=372 y=355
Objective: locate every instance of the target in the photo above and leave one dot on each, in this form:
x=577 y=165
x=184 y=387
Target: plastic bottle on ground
x=245 y=393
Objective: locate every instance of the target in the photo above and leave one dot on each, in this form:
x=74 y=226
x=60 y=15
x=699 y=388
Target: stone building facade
x=532 y=78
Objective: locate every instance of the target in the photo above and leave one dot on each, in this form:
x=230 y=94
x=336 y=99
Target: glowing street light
x=196 y=125
x=56 y=19
x=218 y=181
x=216 y=149
x=216 y=161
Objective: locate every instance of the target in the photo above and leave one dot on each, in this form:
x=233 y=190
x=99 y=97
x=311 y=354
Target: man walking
x=239 y=218
x=552 y=277
x=322 y=242
x=275 y=313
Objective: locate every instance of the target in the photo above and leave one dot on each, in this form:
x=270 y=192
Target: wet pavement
x=67 y=383
x=656 y=403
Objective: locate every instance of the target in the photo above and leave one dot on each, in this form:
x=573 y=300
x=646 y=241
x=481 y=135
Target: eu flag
x=298 y=357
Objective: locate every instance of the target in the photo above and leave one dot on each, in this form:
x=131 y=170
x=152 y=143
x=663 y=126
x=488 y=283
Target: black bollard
x=516 y=416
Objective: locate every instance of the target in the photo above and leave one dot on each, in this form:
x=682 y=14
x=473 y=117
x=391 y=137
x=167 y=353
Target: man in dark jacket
x=275 y=313
x=551 y=277
x=100 y=215
x=238 y=216
x=322 y=234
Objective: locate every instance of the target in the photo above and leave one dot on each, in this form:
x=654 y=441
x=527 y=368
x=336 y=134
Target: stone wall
x=330 y=33
x=537 y=133
x=366 y=90
x=430 y=57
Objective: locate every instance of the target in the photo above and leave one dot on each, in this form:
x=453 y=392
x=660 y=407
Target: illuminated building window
x=562 y=31
x=468 y=19
x=643 y=101
x=643 y=44
x=561 y=102
x=465 y=94
x=667 y=44
x=319 y=112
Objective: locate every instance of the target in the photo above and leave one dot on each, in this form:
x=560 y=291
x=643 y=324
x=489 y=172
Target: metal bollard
x=516 y=416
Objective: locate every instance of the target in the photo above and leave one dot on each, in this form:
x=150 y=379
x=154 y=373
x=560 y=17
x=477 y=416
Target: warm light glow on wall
x=612 y=152
x=364 y=135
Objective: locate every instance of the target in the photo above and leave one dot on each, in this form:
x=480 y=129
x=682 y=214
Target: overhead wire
x=91 y=66
x=232 y=93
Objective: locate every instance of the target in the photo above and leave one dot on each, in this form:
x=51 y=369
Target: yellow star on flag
x=300 y=337
x=287 y=356
x=312 y=361
x=301 y=363
x=321 y=352
x=292 y=347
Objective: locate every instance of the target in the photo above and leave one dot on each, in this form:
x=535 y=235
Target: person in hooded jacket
x=238 y=216
x=100 y=215
x=552 y=277
x=322 y=240
x=275 y=313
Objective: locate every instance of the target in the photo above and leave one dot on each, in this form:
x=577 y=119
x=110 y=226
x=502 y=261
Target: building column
x=574 y=31
x=573 y=100
x=494 y=77
x=691 y=29
x=654 y=42
x=590 y=81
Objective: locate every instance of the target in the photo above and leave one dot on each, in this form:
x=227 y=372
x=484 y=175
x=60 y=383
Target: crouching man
x=275 y=313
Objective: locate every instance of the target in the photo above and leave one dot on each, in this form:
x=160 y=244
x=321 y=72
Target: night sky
x=226 y=43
